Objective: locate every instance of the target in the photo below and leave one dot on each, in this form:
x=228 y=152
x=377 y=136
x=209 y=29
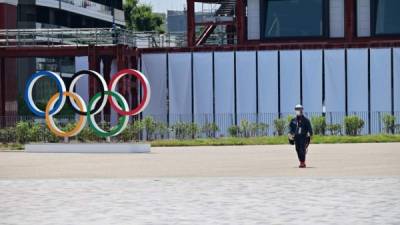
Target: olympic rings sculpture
x=95 y=105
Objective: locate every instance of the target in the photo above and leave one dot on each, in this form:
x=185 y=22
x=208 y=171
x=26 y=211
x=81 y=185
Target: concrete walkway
x=239 y=161
x=252 y=185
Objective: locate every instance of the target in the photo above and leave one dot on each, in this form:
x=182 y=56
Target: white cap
x=298 y=106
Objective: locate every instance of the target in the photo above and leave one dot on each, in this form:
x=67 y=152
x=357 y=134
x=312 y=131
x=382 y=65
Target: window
x=294 y=18
x=386 y=17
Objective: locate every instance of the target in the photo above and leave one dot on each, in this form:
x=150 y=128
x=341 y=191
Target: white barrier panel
x=290 y=80
x=357 y=83
x=246 y=85
x=267 y=87
x=396 y=68
x=203 y=90
x=312 y=80
x=380 y=86
x=180 y=87
x=268 y=81
x=380 y=80
x=357 y=79
x=154 y=67
x=335 y=80
x=335 y=85
x=224 y=89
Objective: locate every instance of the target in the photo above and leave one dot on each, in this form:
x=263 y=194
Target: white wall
x=154 y=67
x=224 y=89
x=267 y=86
x=335 y=85
x=268 y=81
x=357 y=83
x=246 y=80
x=253 y=19
x=380 y=80
x=312 y=80
x=203 y=89
x=180 y=87
x=396 y=73
x=290 y=80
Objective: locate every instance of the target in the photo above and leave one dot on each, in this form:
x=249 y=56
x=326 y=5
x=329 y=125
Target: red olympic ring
x=144 y=84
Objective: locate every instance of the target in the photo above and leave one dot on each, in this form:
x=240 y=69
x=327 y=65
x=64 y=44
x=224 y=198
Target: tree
x=140 y=17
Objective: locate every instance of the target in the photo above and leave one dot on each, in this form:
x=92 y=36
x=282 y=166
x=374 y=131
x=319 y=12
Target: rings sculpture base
x=88 y=148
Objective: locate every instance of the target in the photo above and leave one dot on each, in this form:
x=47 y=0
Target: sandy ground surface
x=247 y=161
x=345 y=184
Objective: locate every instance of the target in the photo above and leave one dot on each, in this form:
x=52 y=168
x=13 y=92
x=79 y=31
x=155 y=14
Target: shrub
x=353 y=125
x=35 y=133
x=48 y=136
x=280 y=126
x=234 y=131
x=245 y=128
x=258 y=129
x=210 y=129
x=22 y=132
x=185 y=130
x=334 y=129
x=161 y=130
x=389 y=123
x=149 y=126
x=319 y=125
x=7 y=135
x=86 y=134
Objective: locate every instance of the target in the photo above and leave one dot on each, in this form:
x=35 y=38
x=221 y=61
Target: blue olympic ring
x=28 y=92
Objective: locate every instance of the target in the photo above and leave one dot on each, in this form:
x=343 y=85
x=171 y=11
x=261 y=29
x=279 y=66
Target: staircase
x=206 y=34
x=227 y=8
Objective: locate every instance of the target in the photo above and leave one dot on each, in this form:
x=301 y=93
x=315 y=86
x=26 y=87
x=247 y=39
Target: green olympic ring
x=122 y=121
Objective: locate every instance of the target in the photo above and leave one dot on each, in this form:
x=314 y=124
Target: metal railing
x=89 y=36
x=102 y=36
x=89 y=5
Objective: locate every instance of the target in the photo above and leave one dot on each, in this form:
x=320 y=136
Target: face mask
x=298 y=113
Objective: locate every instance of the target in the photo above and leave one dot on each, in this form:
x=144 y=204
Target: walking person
x=300 y=133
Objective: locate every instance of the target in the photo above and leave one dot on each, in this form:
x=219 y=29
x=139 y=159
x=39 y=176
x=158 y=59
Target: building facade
x=336 y=57
x=51 y=14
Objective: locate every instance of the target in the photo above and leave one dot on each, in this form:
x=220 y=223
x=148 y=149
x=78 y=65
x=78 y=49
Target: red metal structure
x=350 y=38
x=128 y=56
x=125 y=57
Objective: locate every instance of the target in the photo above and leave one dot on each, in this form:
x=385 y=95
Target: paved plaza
x=344 y=184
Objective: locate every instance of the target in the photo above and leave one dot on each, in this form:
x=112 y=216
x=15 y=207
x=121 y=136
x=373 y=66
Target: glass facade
x=293 y=18
x=386 y=17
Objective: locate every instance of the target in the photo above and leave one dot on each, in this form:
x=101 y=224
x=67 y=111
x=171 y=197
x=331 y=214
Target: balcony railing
x=89 y=36
x=86 y=7
x=101 y=36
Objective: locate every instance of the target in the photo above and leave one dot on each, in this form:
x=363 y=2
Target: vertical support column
x=240 y=20
x=107 y=61
x=2 y=92
x=94 y=64
x=349 y=20
x=191 y=25
x=122 y=63
x=134 y=85
x=230 y=33
x=9 y=91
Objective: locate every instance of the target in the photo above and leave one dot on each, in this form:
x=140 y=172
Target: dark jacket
x=300 y=126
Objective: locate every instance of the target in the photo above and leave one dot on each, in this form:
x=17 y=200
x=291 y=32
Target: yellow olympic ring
x=50 y=120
